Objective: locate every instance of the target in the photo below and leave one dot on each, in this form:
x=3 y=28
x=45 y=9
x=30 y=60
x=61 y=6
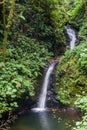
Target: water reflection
x=43 y=121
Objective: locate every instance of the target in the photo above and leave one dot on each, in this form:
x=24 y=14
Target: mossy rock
x=71 y=75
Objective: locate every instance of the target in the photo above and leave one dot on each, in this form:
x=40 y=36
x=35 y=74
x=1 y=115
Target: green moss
x=71 y=75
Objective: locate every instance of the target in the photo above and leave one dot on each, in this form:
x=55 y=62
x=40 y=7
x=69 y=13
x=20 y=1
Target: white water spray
x=72 y=36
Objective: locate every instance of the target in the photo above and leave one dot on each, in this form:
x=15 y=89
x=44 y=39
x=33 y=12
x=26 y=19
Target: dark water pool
x=46 y=121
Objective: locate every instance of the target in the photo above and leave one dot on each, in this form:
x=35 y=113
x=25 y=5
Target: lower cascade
x=72 y=36
x=42 y=98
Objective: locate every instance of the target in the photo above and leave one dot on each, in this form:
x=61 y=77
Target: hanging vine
x=85 y=6
x=7 y=24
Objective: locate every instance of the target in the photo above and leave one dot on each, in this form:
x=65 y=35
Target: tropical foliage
x=21 y=57
x=31 y=33
x=71 y=77
x=72 y=74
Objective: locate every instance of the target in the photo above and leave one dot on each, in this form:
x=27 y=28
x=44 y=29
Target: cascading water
x=42 y=99
x=72 y=35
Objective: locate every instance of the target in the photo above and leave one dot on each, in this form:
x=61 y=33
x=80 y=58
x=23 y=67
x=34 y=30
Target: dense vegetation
x=33 y=32
x=71 y=76
x=21 y=55
x=29 y=37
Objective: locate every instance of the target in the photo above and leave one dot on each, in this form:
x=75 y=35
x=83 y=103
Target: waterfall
x=72 y=36
x=42 y=98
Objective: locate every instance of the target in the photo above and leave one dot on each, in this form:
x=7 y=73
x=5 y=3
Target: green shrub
x=81 y=103
x=71 y=74
x=19 y=74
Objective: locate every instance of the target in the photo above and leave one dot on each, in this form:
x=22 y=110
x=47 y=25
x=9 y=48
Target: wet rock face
x=52 y=100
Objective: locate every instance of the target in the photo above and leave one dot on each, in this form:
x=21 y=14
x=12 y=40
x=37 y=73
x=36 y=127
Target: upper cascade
x=72 y=36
